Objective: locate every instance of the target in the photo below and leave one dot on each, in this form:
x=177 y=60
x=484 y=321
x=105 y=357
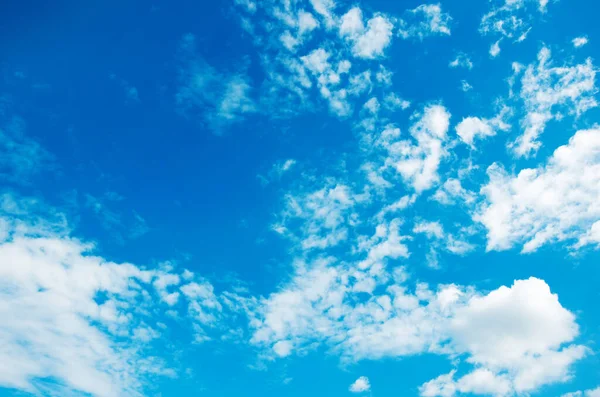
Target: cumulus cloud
x=361 y=385
x=471 y=128
x=515 y=337
x=547 y=90
x=452 y=192
x=370 y=41
x=580 y=41
x=554 y=202
x=418 y=163
x=424 y=21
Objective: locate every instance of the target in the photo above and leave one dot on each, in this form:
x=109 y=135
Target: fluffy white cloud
x=326 y=214
x=418 y=164
x=495 y=49
x=367 y=42
x=546 y=89
x=78 y=319
x=471 y=128
x=452 y=192
x=361 y=385
x=516 y=339
x=425 y=20
x=555 y=202
x=580 y=41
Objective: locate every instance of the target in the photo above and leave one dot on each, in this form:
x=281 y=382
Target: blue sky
x=299 y=197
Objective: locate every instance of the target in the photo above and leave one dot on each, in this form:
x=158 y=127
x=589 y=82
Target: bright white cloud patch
x=418 y=163
x=424 y=21
x=580 y=41
x=370 y=41
x=554 y=202
x=86 y=323
x=515 y=339
x=547 y=90
x=495 y=49
x=471 y=128
x=361 y=385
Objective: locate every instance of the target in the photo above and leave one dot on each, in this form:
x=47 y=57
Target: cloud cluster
x=553 y=202
x=548 y=90
x=84 y=323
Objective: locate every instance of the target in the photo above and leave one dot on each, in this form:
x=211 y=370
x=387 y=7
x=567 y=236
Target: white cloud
x=495 y=49
x=306 y=22
x=545 y=89
x=465 y=86
x=351 y=23
x=325 y=9
x=361 y=385
x=462 y=60
x=418 y=164
x=471 y=128
x=452 y=191
x=580 y=41
x=555 y=202
x=317 y=61
x=431 y=229
x=393 y=102
x=515 y=337
x=424 y=21
x=76 y=318
x=367 y=42
x=586 y=393
x=326 y=212
x=511 y=18
x=222 y=99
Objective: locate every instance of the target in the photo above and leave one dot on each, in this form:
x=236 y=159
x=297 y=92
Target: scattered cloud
x=580 y=41
x=471 y=128
x=361 y=385
x=418 y=163
x=462 y=60
x=553 y=202
x=221 y=99
x=89 y=325
x=546 y=90
x=586 y=393
x=424 y=21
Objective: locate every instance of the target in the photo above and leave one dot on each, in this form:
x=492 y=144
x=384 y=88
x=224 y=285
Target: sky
x=299 y=198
